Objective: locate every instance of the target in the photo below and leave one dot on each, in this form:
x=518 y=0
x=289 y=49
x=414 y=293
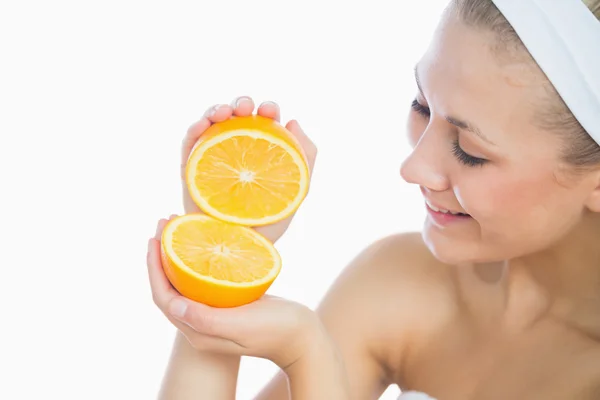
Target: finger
x=269 y=109
x=188 y=203
x=219 y=112
x=242 y=106
x=310 y=149
x=202 y=318
x=159 y=228
x=204 y=342
x=216 y=113
x=191 y=138
x=162 y=290
x=208 y=343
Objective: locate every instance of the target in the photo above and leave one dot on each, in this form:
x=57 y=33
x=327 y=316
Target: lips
x=444 y=210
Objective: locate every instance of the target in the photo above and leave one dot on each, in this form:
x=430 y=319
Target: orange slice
x=248 y=171
x=217 y=263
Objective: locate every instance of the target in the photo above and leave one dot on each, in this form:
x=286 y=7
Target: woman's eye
x=462 y=156
x=465 y=158
x=420 y=109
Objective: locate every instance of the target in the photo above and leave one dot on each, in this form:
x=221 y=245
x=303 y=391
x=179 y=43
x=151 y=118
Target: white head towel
x=563 y=36
x=412 y=395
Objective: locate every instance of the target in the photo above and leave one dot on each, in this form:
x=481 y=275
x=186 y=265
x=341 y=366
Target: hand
x=242 y=106
x=272 y=328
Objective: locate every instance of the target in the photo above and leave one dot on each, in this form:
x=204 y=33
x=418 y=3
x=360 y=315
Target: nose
x=423 y=166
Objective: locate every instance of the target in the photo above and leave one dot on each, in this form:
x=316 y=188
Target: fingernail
x=178 y=307
x=214 y=110
x=269 y=103
x=239 y=100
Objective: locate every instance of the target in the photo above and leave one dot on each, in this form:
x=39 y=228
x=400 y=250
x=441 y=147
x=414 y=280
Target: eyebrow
x=465 y=125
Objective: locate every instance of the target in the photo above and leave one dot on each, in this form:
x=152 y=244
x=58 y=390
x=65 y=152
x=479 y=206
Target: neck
x=567 y=275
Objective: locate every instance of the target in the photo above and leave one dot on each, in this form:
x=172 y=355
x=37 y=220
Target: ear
x=593 y=200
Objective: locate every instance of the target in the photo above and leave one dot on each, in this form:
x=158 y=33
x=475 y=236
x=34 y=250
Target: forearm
x=320 y=375
x=192 y=374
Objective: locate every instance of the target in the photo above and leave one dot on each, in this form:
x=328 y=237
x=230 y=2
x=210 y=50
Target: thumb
x=200 y=317
x=310 y=149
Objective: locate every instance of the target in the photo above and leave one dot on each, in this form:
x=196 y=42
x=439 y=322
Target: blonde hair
x=580 y=150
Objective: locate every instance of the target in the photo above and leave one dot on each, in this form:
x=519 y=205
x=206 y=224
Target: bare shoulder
x=394 y=292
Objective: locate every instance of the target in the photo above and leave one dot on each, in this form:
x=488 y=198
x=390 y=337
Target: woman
x=499 y=296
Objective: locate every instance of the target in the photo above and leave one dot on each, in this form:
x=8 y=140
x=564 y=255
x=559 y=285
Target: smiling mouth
x=443 y=211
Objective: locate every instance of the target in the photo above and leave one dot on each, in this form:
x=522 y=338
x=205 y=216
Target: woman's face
x=478 y=151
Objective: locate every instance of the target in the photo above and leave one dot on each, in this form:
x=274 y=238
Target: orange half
x=217 y=263
x=248 y=171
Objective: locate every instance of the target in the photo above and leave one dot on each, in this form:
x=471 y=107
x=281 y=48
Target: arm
x=191 y=372
x=353 y=315
x=320 y=374
x=374 y=312
x=339 y=348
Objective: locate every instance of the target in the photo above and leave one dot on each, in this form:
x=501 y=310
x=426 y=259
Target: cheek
x=503 y=200
x=516 y=214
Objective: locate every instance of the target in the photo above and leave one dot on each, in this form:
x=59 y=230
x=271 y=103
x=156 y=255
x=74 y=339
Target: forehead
x=462 y=74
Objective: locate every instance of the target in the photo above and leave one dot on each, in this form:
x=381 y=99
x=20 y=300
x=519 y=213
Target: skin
x=504 y=304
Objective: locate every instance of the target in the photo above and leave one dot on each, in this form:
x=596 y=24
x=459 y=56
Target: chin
x=447 y=255
x=455 y=248
x=442 y=248
x=452 y=250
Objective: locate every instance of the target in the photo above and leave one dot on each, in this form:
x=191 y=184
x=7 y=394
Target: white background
x=94 y=100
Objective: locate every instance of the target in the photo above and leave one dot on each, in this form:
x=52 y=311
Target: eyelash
x=458 y=152
x=420 y=109
x=466 y=158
